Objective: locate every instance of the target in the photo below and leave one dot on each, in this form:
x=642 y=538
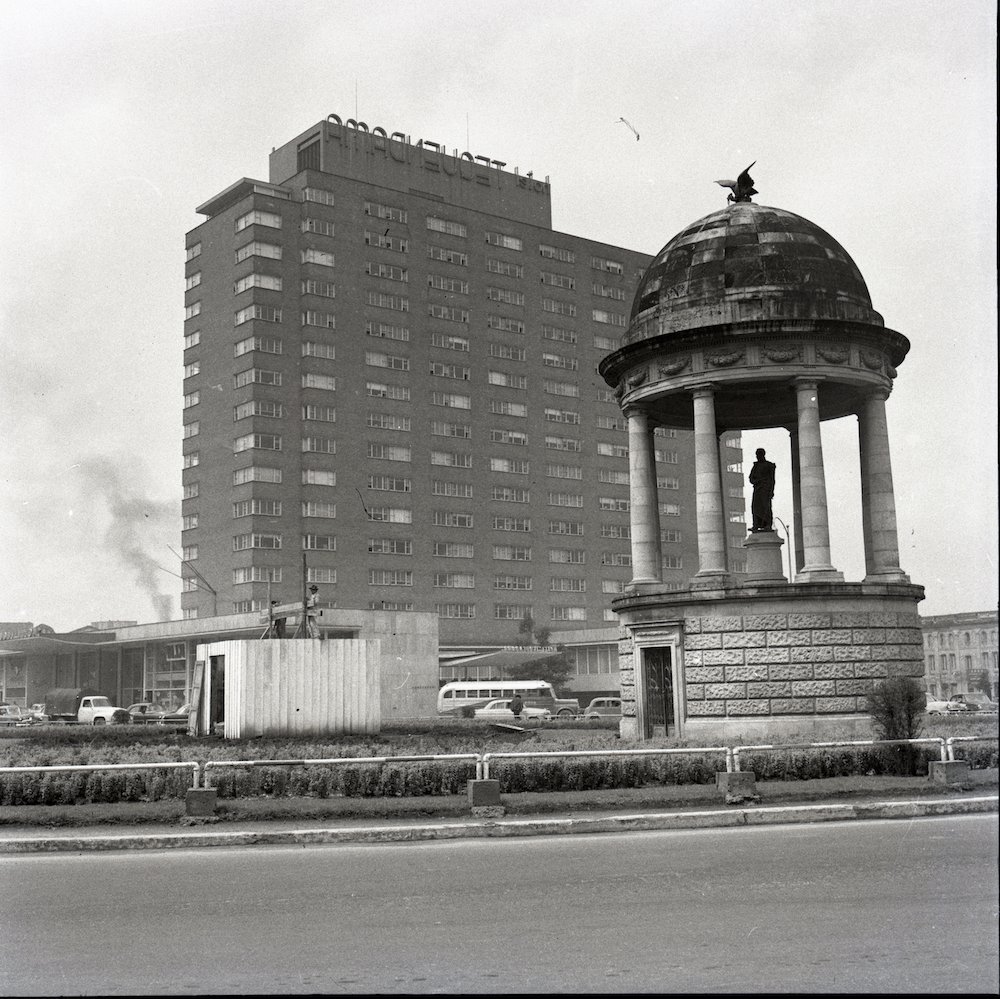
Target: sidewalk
x=163 y=825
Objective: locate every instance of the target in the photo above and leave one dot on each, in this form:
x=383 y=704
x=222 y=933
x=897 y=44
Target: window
x=567 y=584
x=558 y=333
x=609 y=291
x=457 y=371
x=390 y=546
x=265 y=313
x=387 y=242
x=258 y=218
x=191 y=429
x=673 y=562
x=378 y=360
x=670 y=509
x=241 y=542
x=501 y=408
x=571 y=527
x=323 y=289
x=256 y=473
x=319 y=542
x=390 y=515
x=190 y=490
x=511 y=466
x=192 y=310
x=507 y=582
x=257 y=507
x=566 y=499
x=456 y=610
x=569 y=613
x=317 y=194
x=450 y=342
x=257 y=249
x=194 y=250
x=257 y=407
x=382 y=301
x=569 y=556
x=265 y=344
x=441 y=428
x=320 y=226
x=451 y=400
x=502 y=436
x=189 y=553
x=388 y=421
x=388 y=331
x=268 y=281
x=390 y=212
x=455 y=580
x=616 y=558
x=668 y=482
x=558 y=307
x=500 y=239
x=613 y=586
x=447 y=312
x=505 y=295
x=321 y=414
x=512 y=612
x=558 y=280
x=189 y=522
x=192 y=281
x=613 y=503
x=612 y=423
x=496 y=266
x=311 y=348
x=612 y=450
x=388 y=452
x=440 y=487
x=314 y=381
x=452 y=549
x=256 y=376
x=561 y=388
x=312 y=255
x=191 y=459
x=510 y=494
x=511 y=553
x=615 y=531
x=390 y=271
x=192 y=339
x=512 y=524
x=507 y=379
x=312 y=508
x=564 y=471
x=319 y=445
x=612 y=318
x=563 y=444
x=556 y=253
x=611 y=266
x=315 y=574
x=390 y=577
x=448 y=256
x=318 y=477
x=452 y=518
x=446 y=226
x=613 y=478
x=505 y=323
x=606 y=342
x=265 y=442
x=560 y=361
x=451 y=459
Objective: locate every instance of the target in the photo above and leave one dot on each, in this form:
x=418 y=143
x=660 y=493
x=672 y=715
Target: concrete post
x=878 y=501
x=708 y=486
x=815 y=518
x=644 y=513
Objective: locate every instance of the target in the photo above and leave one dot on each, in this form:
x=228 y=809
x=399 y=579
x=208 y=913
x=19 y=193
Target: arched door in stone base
x=658 y=678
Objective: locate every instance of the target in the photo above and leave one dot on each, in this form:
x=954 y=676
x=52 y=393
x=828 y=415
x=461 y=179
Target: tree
x=555 y=669
x=897 y=709
x=526 y=629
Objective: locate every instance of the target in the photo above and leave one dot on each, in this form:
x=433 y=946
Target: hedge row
x=369 y=780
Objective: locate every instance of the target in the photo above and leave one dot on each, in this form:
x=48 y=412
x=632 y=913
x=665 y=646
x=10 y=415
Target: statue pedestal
x=763 y=550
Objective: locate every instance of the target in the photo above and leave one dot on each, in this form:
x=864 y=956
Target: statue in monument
x=762 y=480
x=740 y=189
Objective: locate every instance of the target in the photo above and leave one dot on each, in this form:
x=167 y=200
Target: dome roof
x=748 y=262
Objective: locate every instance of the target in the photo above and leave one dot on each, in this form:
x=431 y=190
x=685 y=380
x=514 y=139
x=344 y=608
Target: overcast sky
x=875 y=120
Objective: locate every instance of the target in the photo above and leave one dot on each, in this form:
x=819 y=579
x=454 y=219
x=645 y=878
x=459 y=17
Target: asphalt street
x=897 y=906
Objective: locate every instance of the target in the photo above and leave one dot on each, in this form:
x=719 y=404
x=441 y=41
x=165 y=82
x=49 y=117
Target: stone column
x=793 y=433
x=644 y=512
x=708 y=485
x=878 y=502
x=812 y=478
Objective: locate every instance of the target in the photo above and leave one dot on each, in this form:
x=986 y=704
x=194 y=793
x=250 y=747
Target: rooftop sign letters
x=430 y=156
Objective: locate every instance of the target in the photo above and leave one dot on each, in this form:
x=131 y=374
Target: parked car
x=938 y=707
x=37 y=712
x=499 y=711
x=972 y=702
x=176 y=719
x=146 y=712
x=604 y=707
x=12 y=714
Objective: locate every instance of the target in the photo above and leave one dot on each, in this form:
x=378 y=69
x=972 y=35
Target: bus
x=459 y=694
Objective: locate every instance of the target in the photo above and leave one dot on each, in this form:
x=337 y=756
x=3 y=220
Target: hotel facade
x=391 y=391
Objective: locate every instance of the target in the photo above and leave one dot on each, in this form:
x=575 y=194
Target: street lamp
x=788 y=539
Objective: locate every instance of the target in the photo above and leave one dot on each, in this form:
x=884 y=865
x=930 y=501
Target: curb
x=499 y=828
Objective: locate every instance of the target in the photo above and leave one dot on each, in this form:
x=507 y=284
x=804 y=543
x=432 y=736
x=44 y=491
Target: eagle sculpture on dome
x=741 y=188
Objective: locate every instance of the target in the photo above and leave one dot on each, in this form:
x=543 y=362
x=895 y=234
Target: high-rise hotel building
x=391 y=386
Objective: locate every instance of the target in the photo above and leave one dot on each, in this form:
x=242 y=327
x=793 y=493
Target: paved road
x=901 y=906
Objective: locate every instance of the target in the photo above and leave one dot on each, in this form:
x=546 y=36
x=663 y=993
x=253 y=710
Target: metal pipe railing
x=829 y=745
x=194 y=764
x=702 y=750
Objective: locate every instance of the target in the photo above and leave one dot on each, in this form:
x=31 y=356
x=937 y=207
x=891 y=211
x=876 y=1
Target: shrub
x=897 y=710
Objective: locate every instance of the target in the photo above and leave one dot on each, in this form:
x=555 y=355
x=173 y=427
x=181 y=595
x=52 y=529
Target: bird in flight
x=741 y=188
x=630 y=126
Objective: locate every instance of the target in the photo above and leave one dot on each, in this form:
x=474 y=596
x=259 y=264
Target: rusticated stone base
x=770 y=657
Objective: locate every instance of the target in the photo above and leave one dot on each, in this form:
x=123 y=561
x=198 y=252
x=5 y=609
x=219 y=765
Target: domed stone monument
x=754 y=318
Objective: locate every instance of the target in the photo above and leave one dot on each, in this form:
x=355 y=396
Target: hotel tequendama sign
x=430 y=156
